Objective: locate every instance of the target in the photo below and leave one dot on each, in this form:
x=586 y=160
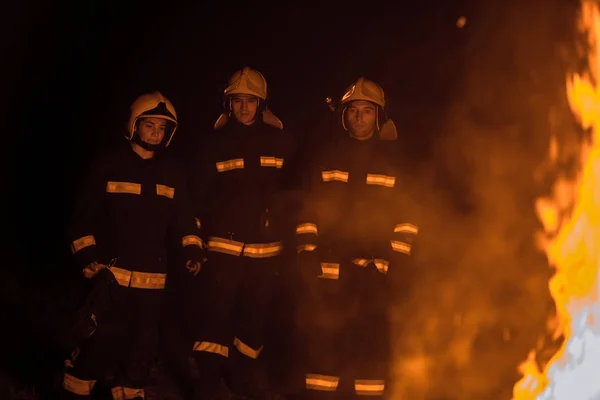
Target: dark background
x=71 y=69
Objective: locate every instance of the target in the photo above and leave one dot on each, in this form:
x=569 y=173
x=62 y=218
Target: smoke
x=482 y=300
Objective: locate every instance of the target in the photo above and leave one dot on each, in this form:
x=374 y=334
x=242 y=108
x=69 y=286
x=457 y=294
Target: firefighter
x=354 y=244
x=133 y=200
x=237 y=175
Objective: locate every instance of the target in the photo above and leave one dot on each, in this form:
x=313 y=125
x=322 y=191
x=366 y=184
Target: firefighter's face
x=152 y=130
x=361 y=118
x=243 y=107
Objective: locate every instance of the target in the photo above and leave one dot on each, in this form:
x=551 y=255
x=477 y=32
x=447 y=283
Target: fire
x=571 y=240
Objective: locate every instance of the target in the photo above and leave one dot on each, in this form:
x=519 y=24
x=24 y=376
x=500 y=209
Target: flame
x=571 y=240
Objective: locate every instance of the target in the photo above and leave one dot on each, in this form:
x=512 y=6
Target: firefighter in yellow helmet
x=131 y=203
x=237 y=174
x=354 y=243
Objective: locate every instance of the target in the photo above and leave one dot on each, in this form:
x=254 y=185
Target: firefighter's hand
x=193 y=266
x=92 y=269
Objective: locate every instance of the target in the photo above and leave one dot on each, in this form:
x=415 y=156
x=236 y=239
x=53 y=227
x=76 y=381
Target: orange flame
x=571 y=240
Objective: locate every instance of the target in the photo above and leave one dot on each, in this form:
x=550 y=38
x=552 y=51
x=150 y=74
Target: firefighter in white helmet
x=355 y=239
x=133 y=200
x=237 y=175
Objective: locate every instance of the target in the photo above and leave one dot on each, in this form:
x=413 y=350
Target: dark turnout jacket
x=127 y=210
x=238 y=177
x=356 y=206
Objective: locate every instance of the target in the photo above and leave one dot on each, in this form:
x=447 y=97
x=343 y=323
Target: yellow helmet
x=152 y=105
x=247 y=81
x=364 y=89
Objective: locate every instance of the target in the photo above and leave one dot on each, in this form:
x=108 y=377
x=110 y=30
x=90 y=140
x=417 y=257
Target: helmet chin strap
x=147 y=146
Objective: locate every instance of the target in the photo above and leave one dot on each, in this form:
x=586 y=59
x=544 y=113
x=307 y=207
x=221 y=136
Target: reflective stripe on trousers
x=77 y=386
x=126 y=393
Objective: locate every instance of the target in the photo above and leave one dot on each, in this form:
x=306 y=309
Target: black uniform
x=237 y=177
x=128 y=209
x=355 y=239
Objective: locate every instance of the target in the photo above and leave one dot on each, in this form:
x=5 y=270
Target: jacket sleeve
x=307 y=224
x=184 y=224
x=83 y=225
x=200 y=173
x=404 y=238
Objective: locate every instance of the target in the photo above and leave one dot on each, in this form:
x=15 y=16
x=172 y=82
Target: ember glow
x=571 y=241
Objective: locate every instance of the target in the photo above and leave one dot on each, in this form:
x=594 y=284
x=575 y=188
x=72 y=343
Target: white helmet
x=152 y=105
x=251 y=82
x=247 y=81
x=364 y=89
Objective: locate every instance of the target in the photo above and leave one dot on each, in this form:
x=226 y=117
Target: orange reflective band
x=191 y=240
x=123 y=187
x=369 y=387
x=125 y=393
x=212 y=348
x=330 y=271
x=307 y=228
x=271 y=162
x=381 y=180
x=246 y=350
x=323 y=383
x=77 y=386
x=226 y=246
x=223 y=166
x=140 y=280
x=401 y=247
x=306 y=247
x=82 y=243
x=406 y=228
x=334 y=175
x=262 y=250
x=163 y=190
x=198 y=223
x=381 y=265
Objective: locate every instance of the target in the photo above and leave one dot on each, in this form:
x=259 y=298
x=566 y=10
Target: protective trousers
x=121 y=351
x=230 y=307
x=343 y=326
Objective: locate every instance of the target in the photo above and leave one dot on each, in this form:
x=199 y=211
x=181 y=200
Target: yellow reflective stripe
x=141 y=280
x=262 y=250
x=226 y=246
x=82 y=243
x=212 y=348
x=271 y=162
x=125 y=393
x=334 y=175
x=246 y=350
x=124 y=187
x=77 y=386
x=306 y=247
x=406 y=228
x=369 y=387
x=191 y=240
x=382 y=180
x=381 y=264
x=228 y=165
x=324 y=383
x=307 y=228
x=198 y=223
x=401 y=247
x=330 y=271
x=164 y=190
